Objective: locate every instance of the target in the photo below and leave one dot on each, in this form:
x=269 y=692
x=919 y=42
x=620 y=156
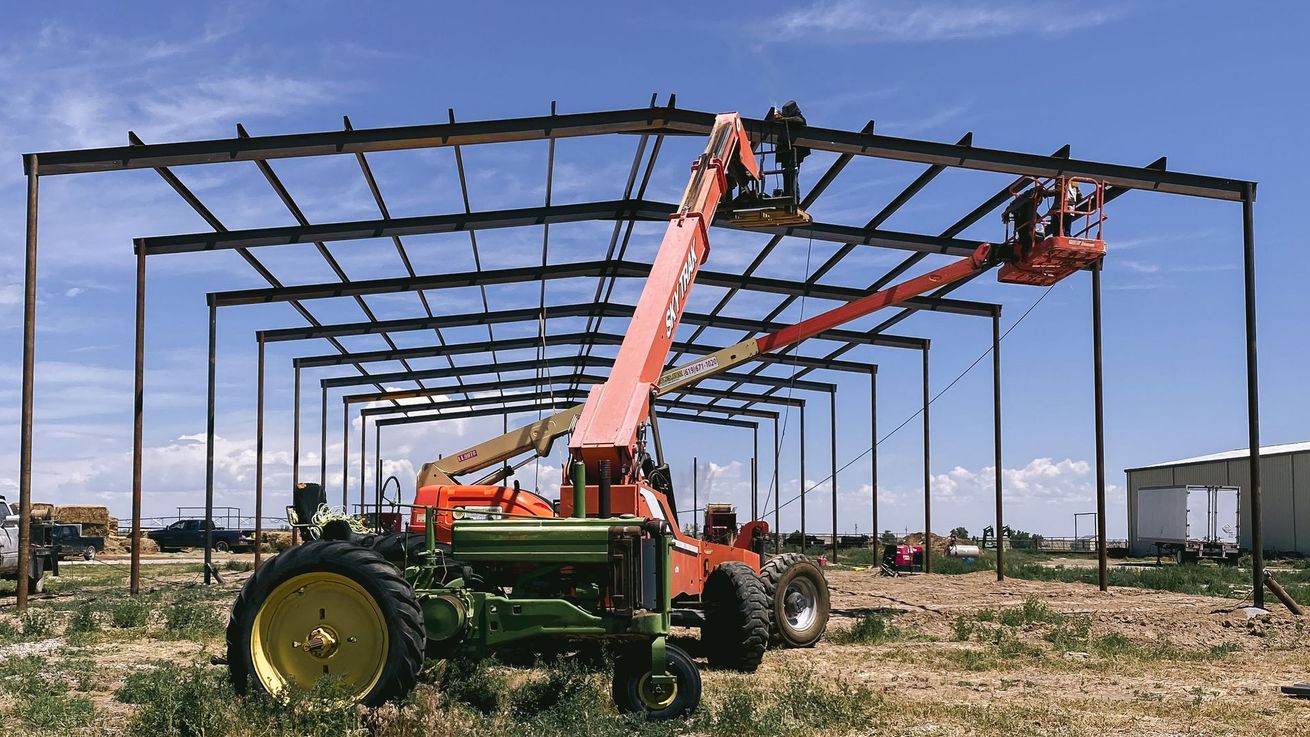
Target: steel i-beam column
x=873 y=455
x=755 y=478
x=927 y=469
x=1098 y=394
x=777 y=490
x=345 y=457
x=832 y=404
x=209 y=443
x=29 y=374
x=295 y=431
x=259 y=454
x=802 y=459
x=322 y=444
x=695 y=492
x=138 y=420
x=996 y=444
x=363 y=455
x=377 y=475
x=1252 y=397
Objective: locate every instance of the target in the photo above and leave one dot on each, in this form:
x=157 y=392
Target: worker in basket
x=1022 y=211
x=788 y=154
x=1064 y=207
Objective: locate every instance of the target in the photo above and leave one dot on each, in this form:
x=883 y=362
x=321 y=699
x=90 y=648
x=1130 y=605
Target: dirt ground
x=1196 y=665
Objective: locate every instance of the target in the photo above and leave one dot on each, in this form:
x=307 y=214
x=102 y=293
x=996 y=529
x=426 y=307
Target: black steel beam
x=566 y=362
x=618 y=269
x=639 y=120
x=510 y=344
x=643 y=211
x=532 y=314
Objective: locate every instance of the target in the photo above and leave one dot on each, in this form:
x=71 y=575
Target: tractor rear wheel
x=634 y=692
x=798 y=600
x=736 y=630
x=327 y=607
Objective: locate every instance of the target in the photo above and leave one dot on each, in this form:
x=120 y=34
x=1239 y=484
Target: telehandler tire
x=327 y=607
x=403 y=548
x=736 y=630
x=798 y=600
x=635 y=694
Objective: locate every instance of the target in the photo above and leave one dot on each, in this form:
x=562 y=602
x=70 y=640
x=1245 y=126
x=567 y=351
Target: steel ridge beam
x=533 y=314
x=394 y=394
x=653 y=120
x=638 y=210
x=522 y=409
x=574 y=396
x=509 y=344
x=971 y=157
x=568 y=362
x=360 y=140
x=581 y=269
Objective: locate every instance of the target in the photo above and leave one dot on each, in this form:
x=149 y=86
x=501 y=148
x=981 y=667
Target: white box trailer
x=1190 y=522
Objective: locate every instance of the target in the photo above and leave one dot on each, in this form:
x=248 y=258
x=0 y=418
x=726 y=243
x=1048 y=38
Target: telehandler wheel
x=798 y=600
x=634 y=693
x=327 y=607
x=736 y=630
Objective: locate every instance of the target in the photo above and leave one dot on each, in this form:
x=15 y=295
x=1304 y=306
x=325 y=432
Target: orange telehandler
x=484 y=565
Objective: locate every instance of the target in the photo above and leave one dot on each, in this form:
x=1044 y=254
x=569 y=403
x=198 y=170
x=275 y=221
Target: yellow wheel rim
x=655 y=697
x=315 y=625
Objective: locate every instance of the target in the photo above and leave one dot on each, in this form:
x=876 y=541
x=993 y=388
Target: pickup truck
x=44 y=558
x=190 y=533
x=71 y=542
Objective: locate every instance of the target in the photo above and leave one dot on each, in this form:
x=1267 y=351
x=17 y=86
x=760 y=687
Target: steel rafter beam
x=617 y=269
x=533 y=342
x=540 y=406
x=532 y=314
x=636 y=210
x=569 y=362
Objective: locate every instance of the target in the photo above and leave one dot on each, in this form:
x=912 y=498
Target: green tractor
x=369 y=611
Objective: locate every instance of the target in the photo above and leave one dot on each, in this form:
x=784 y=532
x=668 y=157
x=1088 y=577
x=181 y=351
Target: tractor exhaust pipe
x=603 y=489
x=579 y=489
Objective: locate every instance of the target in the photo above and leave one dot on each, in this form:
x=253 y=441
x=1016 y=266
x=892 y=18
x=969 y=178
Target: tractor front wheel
x=798 y=600
x=635 y=692
x=736 y=630
x=327 y=608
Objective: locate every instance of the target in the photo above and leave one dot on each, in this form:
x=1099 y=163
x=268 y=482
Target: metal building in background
x=1284 y=487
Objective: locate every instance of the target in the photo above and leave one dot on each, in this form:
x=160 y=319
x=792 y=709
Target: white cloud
x=1042 y=480
x=904 y=21
x=74 y=291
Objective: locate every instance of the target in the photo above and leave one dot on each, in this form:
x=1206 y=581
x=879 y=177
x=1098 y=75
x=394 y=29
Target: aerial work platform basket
x=1052 y=242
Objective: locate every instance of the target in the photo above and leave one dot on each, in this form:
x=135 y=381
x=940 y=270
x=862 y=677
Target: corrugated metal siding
x=1279 y=509
x=1301 y=491
x=1285 y=482
x=1203 y=474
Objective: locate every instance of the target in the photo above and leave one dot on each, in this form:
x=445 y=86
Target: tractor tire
x=798 y=600
x=327 y=607
x=222 y=546
x=633 y=693
x=736 y=630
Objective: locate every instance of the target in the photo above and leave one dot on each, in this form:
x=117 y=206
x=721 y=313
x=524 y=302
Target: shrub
x=178 y=701
x=871 y=629
x=129 y=612
x=191 y=620
x=36 y=624
x=1032 y=611
x=84 y=621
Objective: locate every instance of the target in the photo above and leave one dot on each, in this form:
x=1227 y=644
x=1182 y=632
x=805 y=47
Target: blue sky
x=1217 y=88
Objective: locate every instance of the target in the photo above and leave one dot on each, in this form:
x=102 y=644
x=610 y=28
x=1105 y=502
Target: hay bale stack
x=42 y=511
x=95 y=520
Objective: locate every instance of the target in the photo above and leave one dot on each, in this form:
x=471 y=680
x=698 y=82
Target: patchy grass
x=39 y=695
x=871 y=629
x=129 y=612
x=185 y=619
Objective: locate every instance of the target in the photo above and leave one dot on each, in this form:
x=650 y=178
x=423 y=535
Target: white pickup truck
x=44 y=559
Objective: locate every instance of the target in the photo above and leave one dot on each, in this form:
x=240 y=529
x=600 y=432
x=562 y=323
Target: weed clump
x=36 y=624
x=191 y=620
x=40 y=695
x=871 y=629
x=128 y=613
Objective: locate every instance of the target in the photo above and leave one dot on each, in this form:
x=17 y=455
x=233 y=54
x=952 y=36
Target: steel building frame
x=649 y=127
